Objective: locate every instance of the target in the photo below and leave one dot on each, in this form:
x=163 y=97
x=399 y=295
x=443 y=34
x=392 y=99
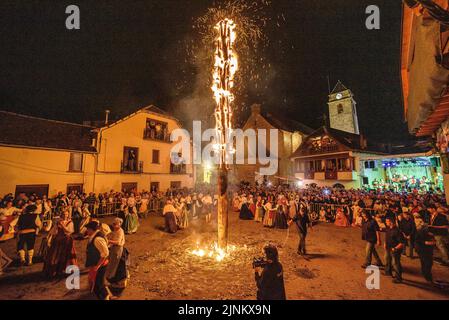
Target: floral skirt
x=269 y=218
x=131 y=223
x=259 y=214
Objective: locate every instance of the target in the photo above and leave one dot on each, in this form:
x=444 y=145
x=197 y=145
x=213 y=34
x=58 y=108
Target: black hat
x=93 y=225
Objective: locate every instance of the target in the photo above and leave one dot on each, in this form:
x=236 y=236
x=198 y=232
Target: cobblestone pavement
x=163 y=267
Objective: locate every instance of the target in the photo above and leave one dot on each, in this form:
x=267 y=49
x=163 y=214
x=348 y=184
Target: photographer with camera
x=269 y=275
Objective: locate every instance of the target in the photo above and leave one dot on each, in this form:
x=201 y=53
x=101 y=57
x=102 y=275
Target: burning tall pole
x=225 y=67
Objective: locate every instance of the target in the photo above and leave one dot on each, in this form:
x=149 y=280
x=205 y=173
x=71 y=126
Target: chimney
x=106 y=120
x=255 y=109
x=363 y=142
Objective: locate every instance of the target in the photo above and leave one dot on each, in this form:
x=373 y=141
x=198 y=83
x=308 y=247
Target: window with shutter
x=155 y=156
x=76 y=162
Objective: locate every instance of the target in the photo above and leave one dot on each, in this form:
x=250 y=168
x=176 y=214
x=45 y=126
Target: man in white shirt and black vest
x=97 y=260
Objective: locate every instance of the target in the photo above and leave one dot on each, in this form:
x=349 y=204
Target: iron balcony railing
x=131 y=167
x=178 y=168
x=152 y=134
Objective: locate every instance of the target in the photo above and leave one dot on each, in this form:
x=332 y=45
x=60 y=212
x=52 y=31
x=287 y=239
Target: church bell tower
x=342 y=109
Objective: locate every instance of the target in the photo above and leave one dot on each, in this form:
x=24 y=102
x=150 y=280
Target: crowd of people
x=412 y=223
x=182 y=206
x=66 y=218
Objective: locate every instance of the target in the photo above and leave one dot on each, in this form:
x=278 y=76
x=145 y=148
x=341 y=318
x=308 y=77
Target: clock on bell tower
x=342 y=109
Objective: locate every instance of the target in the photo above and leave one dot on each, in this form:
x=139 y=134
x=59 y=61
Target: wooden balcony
x=330 y=174
x=178 y=168
x=309 y=175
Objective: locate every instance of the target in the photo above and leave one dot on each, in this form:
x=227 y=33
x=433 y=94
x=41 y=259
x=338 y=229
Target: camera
x=259 y=262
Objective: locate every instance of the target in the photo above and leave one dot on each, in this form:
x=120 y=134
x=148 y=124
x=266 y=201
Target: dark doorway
x=154 y=186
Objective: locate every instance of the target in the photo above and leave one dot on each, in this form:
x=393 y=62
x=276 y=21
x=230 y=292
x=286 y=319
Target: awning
x=424 y=80
x=439 y=115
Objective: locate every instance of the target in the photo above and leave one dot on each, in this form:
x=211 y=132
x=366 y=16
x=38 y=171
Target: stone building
x=291 y=133
x=342 y=110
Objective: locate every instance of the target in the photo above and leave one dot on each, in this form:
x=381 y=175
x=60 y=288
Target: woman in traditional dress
x=323 y=215
x=143 y=208
x=357 y=216
x=252 y=205
x=47 y=218
x=183 y=215
x=61 y=252
x=77 y=207
x=131 y=201
x=8 y=220
x=131 y=223
x=169 y=215
x=116 y=241
x=270 y=214
x=245 y=212
x=341 y=220
x=188 y=204
x=243 y=199
x=197 y=206
x=292 y=208
x=258 y=217
x=119 y=281
x=280 y=221
x=85 y=219
x=138 y=202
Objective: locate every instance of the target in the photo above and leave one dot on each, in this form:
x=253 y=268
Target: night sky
x=127 y=55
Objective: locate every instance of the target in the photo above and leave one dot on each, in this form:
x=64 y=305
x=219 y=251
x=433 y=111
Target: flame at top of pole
x=225 y=62
x=225 y=68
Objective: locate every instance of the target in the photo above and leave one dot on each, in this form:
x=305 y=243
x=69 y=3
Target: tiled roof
x=28 y=131
x=286 y=124
x=351 y=141
x=354 y=143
